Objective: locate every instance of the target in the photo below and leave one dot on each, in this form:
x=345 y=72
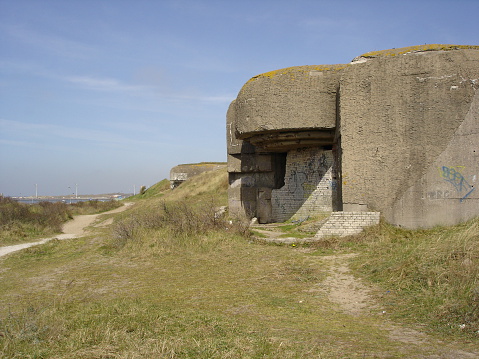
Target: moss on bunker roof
x=297 y=70
x=201 y=164
x=418 y=48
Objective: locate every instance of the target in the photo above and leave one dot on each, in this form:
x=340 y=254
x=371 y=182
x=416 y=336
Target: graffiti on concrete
x=309 y=184
x=454 y=176
x=296 y=182
x=438 y=194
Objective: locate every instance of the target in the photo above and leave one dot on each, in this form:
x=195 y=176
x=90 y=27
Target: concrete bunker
x=394 y=131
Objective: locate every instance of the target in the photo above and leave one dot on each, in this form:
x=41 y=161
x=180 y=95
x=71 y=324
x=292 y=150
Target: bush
x=20 y=218
x=94 y=206
x=180 y=219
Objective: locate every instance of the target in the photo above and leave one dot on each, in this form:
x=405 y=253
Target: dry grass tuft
x=173 y=279
x=22 y=222
x=434 y=274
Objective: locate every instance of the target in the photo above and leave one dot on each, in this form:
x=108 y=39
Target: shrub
x=94 y=206
x=180 y=219
x=19 y=219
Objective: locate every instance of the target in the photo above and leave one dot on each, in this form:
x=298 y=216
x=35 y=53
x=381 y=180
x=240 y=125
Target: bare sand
x=75 y=228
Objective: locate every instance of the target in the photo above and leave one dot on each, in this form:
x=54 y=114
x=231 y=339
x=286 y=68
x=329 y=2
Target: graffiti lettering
x=454 y=177
x=438 y=194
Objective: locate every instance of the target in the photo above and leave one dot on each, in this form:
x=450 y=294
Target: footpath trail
x=355 y=298
x=350 y=295
x=75 y=228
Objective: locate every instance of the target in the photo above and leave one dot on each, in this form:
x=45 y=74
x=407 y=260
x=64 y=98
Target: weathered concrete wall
x=292 y=99
x=447 y=192
x=276 y=113
x=252 y=177
x=398 y=114
x=403 y=124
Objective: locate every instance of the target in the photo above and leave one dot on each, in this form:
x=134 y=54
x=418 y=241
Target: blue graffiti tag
x=454 y=177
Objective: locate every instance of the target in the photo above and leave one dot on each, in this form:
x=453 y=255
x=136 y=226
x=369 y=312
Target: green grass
x=214 y=296
x=210 y=291
x=434 y=271
x=430 y=276
x=20 y=222
x=156 y=191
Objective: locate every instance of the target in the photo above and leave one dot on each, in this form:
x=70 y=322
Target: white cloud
x=48 y=132
x=15 y=143
x=52 y=43
x=104 y=84
x=114 y=85
x=219 y=99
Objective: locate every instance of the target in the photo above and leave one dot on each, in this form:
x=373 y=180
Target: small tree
x=142 y=190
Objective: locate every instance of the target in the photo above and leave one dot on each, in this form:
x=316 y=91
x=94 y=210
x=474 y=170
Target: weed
x=179 y=219
x=434 y=271
x=182 y=282
x=21 y=222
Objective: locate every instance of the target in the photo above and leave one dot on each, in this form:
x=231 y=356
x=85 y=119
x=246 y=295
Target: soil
x=350 y=294
x=353 y=297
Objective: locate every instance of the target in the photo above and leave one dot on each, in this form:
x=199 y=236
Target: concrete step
x=347 y=223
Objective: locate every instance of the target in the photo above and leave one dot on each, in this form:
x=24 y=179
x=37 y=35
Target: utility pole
x=36 y=190
x=76 y=190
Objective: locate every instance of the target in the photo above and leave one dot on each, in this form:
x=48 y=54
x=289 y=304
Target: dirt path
x=270 y=234
x=357 y=300
x=353 y=297
x=72 y=229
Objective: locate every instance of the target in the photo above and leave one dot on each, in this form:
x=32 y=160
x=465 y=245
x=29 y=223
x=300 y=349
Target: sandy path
x=353 y=297
x=72 y=229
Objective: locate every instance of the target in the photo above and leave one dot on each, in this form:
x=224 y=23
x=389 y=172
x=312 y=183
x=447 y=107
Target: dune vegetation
x=172 y=277
x=20 y=222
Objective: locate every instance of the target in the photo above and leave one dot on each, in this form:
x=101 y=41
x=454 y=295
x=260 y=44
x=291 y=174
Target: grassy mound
x=157 y=190
x=433 y=275
x=172 y=277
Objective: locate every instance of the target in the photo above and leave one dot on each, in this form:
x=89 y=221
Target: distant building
x=181 y=173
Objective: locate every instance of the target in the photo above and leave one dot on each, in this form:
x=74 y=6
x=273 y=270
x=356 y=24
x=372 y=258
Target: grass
x=430 y=276
x=184 y=283
x=435 y=271
x=157 y=190
x=300 y=228
x=20 y=222
x=212 y=296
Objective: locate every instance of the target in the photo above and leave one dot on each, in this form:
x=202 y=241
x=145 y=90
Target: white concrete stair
x=347 y=223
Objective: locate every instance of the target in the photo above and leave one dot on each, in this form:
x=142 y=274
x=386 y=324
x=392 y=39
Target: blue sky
x=110 y=94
